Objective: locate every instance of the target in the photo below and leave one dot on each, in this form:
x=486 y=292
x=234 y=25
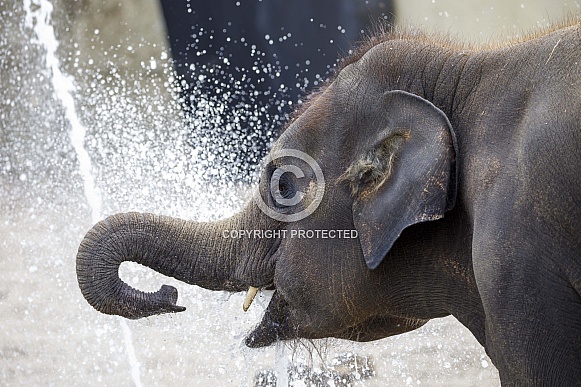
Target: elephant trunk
x=188 y=251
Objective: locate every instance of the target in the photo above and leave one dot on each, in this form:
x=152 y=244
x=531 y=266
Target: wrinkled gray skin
x=467 y=205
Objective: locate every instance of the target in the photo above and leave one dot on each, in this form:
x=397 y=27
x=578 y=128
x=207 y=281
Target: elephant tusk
x=249 y=297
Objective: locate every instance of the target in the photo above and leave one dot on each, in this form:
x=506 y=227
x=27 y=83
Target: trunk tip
x=168 y=297
x=160 y=302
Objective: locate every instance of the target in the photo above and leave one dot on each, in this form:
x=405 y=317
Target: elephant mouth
x=275 y=325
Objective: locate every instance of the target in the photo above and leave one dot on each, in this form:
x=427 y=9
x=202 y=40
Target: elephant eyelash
x=370 y=171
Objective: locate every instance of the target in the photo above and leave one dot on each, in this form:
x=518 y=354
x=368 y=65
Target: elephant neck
x=435 y=278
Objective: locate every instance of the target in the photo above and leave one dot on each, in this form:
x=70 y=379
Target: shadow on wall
x=260 y=56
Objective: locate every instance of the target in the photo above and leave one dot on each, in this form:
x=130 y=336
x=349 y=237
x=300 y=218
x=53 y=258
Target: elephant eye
x=286 y=187
x=282 y=190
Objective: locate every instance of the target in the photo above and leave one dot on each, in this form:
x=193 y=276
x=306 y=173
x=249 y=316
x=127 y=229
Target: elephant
x=425 y=178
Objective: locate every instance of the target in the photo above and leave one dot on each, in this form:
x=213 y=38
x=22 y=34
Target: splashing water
x=281 y=365
x=39 y=20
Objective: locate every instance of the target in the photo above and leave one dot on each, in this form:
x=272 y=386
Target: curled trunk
x=188 y=251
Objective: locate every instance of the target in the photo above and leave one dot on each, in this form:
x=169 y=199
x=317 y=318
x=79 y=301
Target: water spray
x=38 y=19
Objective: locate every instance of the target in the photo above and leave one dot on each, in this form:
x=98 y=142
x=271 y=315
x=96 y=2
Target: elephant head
x=346 y=224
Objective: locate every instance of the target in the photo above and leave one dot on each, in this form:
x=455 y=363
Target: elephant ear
x=407 y=174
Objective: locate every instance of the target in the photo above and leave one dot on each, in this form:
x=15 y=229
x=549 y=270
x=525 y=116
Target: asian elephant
x=424 y=179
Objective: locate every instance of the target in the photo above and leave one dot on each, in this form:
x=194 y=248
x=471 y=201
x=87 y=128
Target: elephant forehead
x=356 y=89
x=290 y=138
x=317 y=116
x=349 y=80
x=294 y=143
x=370 y=67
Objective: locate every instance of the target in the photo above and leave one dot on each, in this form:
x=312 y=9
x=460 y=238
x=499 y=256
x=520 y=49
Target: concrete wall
x=483 y=21
x=125 y=33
